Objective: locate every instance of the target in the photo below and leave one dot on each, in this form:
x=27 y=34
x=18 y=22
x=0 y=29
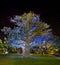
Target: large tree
x=27 y=27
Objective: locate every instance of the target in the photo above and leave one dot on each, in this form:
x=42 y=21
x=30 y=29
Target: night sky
x=48 y=10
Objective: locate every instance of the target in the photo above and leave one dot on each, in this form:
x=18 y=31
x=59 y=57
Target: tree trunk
x=26 y=51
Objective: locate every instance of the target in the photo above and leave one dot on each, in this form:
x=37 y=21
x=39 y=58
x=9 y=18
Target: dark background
x=49 y=12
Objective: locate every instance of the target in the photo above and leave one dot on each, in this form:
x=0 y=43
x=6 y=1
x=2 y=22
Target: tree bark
x=26 y=51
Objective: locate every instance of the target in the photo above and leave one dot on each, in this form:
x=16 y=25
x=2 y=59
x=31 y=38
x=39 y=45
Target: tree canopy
x=27 y=27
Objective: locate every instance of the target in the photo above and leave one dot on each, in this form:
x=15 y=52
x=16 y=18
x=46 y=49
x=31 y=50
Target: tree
x=57 y=44
x=27 y=27
x=1 y=46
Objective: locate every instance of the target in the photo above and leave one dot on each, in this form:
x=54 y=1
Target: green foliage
x=1 y=44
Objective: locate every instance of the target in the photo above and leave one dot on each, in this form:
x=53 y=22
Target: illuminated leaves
x=1 y=43
x=28 y=27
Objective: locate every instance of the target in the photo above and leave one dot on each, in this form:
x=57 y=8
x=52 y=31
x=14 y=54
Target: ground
x=42 y=60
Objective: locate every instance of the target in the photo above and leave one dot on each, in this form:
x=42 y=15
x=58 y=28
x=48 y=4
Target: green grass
x=44 y=60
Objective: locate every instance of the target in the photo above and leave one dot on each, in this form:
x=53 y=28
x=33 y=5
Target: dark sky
x=49 y=11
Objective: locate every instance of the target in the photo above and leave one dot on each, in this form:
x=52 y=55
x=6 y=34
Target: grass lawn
x=44 y=60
